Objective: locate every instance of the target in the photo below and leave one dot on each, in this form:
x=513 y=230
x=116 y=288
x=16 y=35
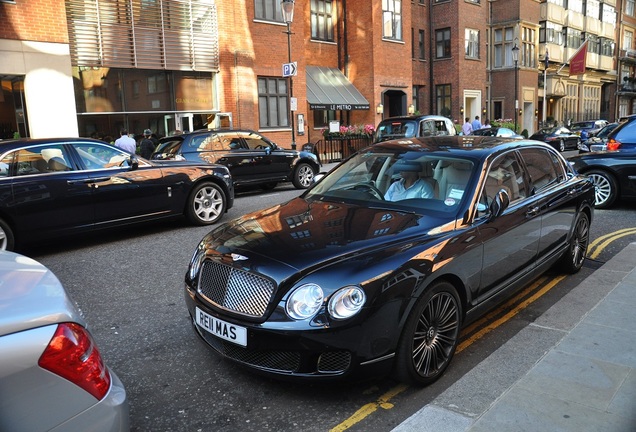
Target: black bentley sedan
x=55 y=187
x=253 y=160
x=379 y=265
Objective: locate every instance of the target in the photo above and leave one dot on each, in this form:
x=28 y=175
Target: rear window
x=395 y=129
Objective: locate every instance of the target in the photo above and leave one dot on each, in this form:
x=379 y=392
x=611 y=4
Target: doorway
x=13 y=116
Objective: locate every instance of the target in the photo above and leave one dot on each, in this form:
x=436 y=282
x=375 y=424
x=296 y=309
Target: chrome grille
x=234 y=289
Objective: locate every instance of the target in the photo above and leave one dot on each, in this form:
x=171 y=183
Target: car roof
x=11 y=144
x=471 y=146
x=416 y=117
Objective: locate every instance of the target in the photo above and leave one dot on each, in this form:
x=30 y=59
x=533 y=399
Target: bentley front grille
x=235 y=290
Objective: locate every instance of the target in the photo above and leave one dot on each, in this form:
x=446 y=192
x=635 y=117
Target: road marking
x=594 y=250
x=603 y=241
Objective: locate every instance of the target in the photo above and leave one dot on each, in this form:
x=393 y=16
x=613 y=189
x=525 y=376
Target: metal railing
x=335 y=149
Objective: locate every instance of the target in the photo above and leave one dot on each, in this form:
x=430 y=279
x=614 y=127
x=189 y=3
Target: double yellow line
x=488 y=323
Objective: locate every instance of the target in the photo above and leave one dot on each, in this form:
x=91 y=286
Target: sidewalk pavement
x=584 y=378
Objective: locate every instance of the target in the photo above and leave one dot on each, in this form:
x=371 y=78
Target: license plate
x=219 y=328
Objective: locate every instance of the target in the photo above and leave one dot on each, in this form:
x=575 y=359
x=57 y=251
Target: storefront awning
x=329 y=89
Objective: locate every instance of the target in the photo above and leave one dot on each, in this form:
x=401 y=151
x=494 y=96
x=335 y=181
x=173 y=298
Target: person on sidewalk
x=126 y=143
x=467 y=128
x=476 y=124
x=146 y=146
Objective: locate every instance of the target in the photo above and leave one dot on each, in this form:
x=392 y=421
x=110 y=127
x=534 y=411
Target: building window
x=443 y=43
x=392 y=19
x=550 y=32
x=503 y=47
x=268 y=10
x=629 y=7
x=528 y=54
x=416 y=98
x=607 y=48
x=558 y=2
x=593 y=9
x=323 y=117
x=609 y=14
x=497 y=109
x=421 y=51
x=472 y=43
x=575 y=6
x=593 y=43
x=322 y=20
x=273 y=110
x=157 y=83
x=443 y=97
x=572 y=38
x=628 y=40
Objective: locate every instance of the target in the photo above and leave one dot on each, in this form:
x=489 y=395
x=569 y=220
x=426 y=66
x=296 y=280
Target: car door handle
x=532 y=211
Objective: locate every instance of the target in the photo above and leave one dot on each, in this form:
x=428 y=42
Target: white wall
x=48 y=85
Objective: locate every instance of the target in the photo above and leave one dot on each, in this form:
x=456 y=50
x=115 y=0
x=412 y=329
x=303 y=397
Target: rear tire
x=430 y=336
x=605 y=188
x=206 y=204
x=7 y=239
x=572 y=260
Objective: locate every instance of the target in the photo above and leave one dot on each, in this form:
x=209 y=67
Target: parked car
x=341 y=282
x=55 y=187
x=413 y=126
x=52 y=375
x=498 y=132
x=559 y=137
x=251 y=158
x=613 y=174
x=589 y=128
x=623 y=137
x=598 y=141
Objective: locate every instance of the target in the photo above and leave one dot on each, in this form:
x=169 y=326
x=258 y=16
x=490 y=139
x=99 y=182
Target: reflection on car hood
x=31 y=296
x=303 y=234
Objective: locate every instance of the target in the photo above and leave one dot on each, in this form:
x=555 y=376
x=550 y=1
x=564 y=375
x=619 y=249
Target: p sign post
x=290 y=69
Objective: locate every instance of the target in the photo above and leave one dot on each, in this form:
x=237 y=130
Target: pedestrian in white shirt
x=126 y=143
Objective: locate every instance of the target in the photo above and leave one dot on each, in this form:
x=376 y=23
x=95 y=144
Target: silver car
x=52 y=376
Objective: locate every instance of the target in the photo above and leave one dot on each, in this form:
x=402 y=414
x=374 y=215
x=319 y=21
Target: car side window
x=230 y=141
x=99 y=156
x=541 y=167
x=210 y=142
x=42 y=160
x=255 y=142
x=504 y=173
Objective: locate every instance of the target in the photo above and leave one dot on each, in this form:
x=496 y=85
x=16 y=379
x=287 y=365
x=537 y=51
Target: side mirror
x=499 y=204
x=268 y=150
x=318 y=177
x=133 y=162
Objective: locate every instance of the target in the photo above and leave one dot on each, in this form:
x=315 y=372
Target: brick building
x=83 y=67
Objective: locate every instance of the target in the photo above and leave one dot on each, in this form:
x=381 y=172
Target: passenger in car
x=410 y=185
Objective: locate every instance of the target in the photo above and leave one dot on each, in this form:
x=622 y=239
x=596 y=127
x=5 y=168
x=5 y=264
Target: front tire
x=573 y=258
x=430 y=336
x=605 y=188
x=7 y=239
x=206 y=204
x=303 y=176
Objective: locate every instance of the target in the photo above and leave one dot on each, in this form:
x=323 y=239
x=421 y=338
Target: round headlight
x=195 y=262
x=304 y=302
x=346 y=302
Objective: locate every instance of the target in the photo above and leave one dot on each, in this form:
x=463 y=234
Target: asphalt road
x=129 y=284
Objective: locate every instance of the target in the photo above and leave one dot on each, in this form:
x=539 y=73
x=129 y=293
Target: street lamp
x=546 y=59
x=515 y=58
x=287 y=8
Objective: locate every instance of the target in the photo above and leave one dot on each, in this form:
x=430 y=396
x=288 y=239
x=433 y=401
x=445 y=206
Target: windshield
x=395 y=129
x=408 y=181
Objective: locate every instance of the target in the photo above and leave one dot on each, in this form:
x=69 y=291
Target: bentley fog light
x=346 y=302
x=304 y=302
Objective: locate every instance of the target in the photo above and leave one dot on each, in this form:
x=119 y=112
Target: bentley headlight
x=346 y=302
x=304 y=302
x=196 y=262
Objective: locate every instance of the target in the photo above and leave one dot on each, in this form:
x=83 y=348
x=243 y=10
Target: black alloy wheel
x=430 y=336
x=573 y=258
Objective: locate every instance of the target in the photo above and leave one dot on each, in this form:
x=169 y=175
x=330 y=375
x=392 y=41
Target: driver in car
x=410 y=185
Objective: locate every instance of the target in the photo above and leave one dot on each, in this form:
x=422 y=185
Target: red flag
x=577 y=61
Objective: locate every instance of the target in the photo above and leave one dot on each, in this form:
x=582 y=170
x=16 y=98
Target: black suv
x=413 y=126
x=251 y=158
